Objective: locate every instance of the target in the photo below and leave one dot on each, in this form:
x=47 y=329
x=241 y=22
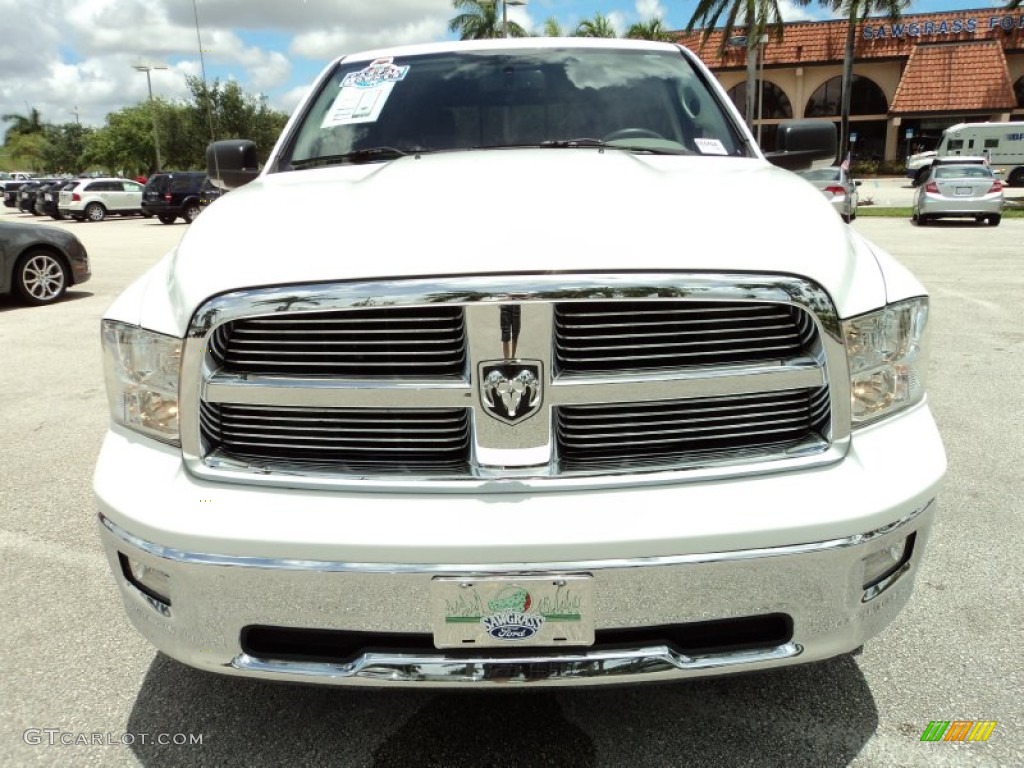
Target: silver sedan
x=959 y=190
x=835 y=183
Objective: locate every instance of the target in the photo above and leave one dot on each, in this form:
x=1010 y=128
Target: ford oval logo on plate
x=512 y=625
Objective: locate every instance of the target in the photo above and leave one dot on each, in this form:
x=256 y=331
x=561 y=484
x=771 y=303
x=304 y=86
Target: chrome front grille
x=636 y=376
x=646 y=434
x=343 y=439
x=642 y=335
x=430 y=341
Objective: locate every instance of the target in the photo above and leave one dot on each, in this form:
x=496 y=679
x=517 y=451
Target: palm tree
x=758 y=16
x=599 y=26
x=23 y=125
x=856 y=11
x=649 y=30
x=481 y=20
x=552 y=28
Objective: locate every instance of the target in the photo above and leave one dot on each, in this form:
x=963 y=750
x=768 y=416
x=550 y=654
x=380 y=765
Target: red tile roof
x=823 y=42
x=955 y=78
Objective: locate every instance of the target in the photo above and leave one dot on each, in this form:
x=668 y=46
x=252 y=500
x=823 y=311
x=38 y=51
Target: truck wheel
x=191 y=212
x=1016 y=178
x=95 y=212
x=40 y=277
x=165 y=219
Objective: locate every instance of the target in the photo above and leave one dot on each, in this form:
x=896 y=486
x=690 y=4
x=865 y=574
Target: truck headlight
x=885 y=354
x=141 y=370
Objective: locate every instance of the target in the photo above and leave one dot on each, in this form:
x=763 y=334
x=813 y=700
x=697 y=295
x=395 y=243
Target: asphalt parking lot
x=74 y=670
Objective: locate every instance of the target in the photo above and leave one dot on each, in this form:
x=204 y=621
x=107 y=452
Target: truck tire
x=1016 y=178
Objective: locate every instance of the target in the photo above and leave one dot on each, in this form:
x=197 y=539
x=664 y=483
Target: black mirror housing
x=800 y=142
x=232 y=163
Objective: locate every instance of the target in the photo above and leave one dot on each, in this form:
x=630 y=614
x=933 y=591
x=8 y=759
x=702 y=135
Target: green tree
x=226 y=111
x=599 y=26
x=552 y=28
x=481 y=20
x=855 y=12
x=650 y=30
x=26 y=150
x=754 y=18
x=65 y=149
x=125 y=143
x=22 y=125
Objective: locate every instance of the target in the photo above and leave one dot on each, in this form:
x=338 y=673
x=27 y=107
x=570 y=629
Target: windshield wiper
x=367 y=155
x=570 y=143
x=602 y=144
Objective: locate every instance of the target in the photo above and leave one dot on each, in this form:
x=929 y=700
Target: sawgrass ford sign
x=1007 y=23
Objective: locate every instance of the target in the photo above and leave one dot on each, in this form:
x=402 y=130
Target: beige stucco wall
x=799 y=83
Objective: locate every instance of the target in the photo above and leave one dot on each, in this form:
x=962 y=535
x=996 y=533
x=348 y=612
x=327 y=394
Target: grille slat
x=425 y=342
x=674 y=431
x=596 y=337
x=380 y=440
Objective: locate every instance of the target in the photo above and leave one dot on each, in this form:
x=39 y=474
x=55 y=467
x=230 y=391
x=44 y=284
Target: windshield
x=650 y=101
x=963 y=172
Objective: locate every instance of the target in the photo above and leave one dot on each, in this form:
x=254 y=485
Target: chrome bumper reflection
x=819 y=585
x=622 y=665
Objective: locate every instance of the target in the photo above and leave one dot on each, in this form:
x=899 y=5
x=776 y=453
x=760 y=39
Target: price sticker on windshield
x=710 y=147
x=364 y=93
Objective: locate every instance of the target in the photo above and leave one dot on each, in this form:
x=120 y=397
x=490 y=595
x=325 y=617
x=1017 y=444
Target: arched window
x=776 y=103
x=1018 y=88
x=866 y=98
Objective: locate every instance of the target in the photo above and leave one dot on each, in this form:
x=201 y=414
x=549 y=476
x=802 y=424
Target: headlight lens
x=885 y=353
x=141 y=369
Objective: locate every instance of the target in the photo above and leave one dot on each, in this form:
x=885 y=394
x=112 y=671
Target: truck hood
x=521 y=210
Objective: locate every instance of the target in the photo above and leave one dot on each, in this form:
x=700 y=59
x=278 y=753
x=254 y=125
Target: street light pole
x=147 y=68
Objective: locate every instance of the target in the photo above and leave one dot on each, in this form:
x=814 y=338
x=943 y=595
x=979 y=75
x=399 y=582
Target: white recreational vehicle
x=1001 y=143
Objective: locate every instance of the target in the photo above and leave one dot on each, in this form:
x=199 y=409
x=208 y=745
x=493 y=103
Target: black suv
x=170 y=195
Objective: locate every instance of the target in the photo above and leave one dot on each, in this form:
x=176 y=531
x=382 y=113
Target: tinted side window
x=184 y=183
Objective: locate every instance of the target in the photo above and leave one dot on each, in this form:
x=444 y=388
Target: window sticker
x=710 y=147
x=364 y=93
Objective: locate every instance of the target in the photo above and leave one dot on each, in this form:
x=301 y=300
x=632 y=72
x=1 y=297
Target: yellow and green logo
x=958 y=730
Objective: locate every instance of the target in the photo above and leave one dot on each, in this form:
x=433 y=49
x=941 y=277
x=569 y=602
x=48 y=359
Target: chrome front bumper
x=819 y=586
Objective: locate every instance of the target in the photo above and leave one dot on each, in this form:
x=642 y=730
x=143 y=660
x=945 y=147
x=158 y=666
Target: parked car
x=361 y=436
x=10 y=192
x=959 y=190
x=94 y=199
x=921 y=174
x=27 y=196
x=184 y=193
x=839 y=189
x=47 y=203
x=39 y=262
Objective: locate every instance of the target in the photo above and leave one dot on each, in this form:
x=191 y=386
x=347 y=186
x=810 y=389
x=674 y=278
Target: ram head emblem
x=511 y=392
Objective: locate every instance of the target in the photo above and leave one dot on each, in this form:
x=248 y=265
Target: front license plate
x=964 y=191
x=511 y=611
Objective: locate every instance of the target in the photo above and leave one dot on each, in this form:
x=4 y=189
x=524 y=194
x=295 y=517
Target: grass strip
x=905 y=213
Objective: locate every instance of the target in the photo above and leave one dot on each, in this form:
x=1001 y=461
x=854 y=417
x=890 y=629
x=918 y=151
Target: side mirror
x=232 y=163
x=800 y=142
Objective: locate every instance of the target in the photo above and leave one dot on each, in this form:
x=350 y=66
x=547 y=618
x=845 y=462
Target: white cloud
x=650 y=9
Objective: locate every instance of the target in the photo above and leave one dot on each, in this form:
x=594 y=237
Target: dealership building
x=912 y=77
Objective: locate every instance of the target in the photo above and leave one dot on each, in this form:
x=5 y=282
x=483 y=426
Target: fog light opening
x=150 y=581
x=883 y=567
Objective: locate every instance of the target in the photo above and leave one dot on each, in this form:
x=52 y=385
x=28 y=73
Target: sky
x=72 y=59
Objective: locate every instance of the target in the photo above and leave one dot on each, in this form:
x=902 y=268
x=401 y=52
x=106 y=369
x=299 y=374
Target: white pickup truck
x=517 y=363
